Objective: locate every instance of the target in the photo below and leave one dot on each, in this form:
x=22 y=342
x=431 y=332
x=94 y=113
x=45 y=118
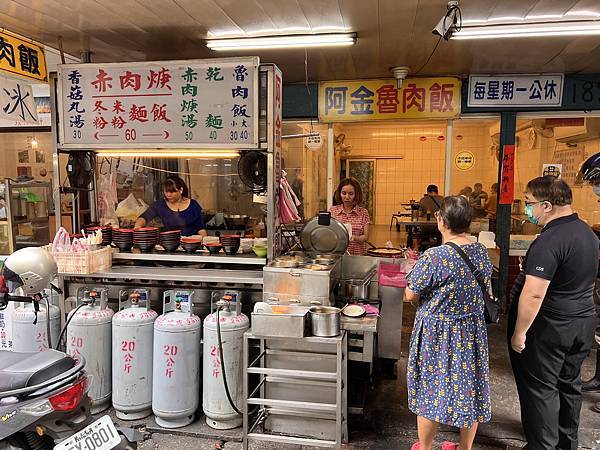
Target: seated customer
x=478 y=199
x=431 y=202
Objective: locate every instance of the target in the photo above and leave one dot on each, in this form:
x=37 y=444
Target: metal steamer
x=223 y=366
x=89 y=333
x=133 y=339
x=312 y=279
x=176 y=371
x=30 y=327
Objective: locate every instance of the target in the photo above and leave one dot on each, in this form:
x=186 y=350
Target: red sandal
x=447 y=445
x=416 y=446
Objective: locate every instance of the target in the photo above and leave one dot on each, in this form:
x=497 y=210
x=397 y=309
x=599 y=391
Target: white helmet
x=32 y=268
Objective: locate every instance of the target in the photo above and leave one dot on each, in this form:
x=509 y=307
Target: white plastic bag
x=131 y=208
x=107 y=199
x=62 y=241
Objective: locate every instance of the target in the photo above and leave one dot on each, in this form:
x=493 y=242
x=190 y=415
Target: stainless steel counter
x=177 y=274
x=198 y=257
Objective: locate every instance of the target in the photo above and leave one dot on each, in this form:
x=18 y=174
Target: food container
x=325 y=321
x=358 y=287
x=260 y=250
x=280 y=320
x=316 y=267
x=290 y=264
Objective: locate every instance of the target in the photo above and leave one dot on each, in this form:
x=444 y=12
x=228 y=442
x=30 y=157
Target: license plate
x=100 y=435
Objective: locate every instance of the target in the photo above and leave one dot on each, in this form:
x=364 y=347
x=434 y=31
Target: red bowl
x=145 y=229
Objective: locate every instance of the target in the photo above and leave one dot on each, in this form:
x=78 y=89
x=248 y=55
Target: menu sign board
x=210 y=103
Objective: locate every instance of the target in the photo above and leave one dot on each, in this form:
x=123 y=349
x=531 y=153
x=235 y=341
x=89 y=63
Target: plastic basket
x=83 y=262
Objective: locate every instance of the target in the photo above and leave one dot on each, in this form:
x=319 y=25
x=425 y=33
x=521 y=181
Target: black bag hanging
x=492 y=303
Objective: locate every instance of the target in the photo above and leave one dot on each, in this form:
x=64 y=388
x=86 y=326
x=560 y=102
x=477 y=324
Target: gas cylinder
x=132 y=341
x=33 y=337
x=89 y=334
x=226 y=370
x=176 y=380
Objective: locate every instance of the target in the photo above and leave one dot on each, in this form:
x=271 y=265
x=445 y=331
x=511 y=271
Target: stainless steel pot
x=356 y=288
x=325 y=321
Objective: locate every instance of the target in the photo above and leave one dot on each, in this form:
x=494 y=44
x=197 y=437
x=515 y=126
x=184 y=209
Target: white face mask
x=596 y=188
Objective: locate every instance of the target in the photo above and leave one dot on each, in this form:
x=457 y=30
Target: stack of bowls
x=170 y=240
x=123 y=238
x=106 y=233
x=190 y=244
x=230 y=243
x=145 y=238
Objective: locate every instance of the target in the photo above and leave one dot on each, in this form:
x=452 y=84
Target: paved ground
x=388 y=424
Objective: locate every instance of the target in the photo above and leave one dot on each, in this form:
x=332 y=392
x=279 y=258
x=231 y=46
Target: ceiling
x=390 y=33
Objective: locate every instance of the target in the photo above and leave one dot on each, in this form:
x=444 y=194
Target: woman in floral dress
x=448 y=367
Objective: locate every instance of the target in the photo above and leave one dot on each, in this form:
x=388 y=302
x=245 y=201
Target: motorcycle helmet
x=589 y=171
x=31 y=268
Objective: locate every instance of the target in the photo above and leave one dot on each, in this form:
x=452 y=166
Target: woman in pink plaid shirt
x=347 y=199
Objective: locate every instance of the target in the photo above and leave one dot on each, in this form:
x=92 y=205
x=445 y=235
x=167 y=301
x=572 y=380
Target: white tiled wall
x=406 y=163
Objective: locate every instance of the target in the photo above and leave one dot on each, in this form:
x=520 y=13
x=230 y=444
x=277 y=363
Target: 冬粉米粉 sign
x=512 y=91
x=210 y=103
x=366 y=100
x=22 y=58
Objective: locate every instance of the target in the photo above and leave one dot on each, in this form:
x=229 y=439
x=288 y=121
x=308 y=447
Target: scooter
x=44 y=403
x=43 y=399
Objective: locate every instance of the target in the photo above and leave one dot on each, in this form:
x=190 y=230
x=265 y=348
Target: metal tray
x=332 y=238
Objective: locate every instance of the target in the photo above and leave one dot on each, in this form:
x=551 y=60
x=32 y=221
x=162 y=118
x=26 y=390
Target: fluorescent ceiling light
x=175 y=153
x=287 y=41
x=573 y=28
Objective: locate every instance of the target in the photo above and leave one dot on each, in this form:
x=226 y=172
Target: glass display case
x=24 y=214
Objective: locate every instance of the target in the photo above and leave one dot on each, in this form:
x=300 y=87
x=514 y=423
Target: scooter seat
x=19 y=370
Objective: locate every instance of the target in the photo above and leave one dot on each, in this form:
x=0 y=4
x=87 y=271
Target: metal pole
x=55 y=155
x=330 y=165
x=508 y=124
x=448 y=164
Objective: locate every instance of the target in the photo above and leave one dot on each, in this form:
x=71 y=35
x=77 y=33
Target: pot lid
x=328 y=236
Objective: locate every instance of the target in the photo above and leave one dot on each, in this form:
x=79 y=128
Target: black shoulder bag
x=492 y=303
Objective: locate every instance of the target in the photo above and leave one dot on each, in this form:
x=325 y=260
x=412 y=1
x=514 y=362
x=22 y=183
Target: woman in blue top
x=176 y=211
x=448 y=368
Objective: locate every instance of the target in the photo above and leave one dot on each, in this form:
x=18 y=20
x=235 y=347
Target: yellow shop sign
x=22 y=58
x=362 y=100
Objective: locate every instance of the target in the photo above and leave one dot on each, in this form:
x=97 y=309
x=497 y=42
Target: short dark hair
x=456 y=213
x=174 y=183
x=337 y=197
x=432 y=188
x=550 y=189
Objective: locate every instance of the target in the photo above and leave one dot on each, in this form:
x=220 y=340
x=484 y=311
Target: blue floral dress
x=448 y=363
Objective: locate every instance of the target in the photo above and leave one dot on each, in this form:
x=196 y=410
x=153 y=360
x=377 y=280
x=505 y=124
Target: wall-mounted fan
x=80 y=170
x=252 y=168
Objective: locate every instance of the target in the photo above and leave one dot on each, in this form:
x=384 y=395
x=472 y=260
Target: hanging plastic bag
x=131 y=208
x=107 y=199
x=392 y=275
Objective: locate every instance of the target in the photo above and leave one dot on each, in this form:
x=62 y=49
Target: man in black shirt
x=552 y=318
